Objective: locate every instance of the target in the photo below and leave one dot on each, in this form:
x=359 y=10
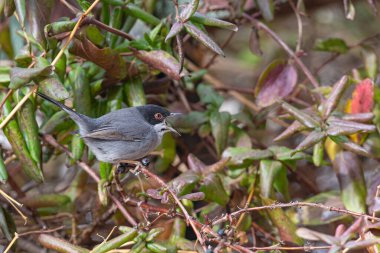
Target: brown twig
x=44 y=231
x=219 y=85
x=296 y=204
x=189 y=219
x=228 y=40
x=92 y=20
x=263 y=27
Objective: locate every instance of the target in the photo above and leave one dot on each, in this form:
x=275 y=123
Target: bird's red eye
x=158 y=116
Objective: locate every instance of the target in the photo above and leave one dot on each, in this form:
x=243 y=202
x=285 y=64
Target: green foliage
x=241 y=147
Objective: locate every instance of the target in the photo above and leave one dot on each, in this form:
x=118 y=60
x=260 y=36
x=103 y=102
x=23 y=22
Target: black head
x=153 y=114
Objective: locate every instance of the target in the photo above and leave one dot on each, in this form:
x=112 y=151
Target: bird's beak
x=172 y=130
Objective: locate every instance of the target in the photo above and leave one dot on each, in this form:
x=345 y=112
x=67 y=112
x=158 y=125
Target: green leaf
x=59 y=245
x=46 y=200
x=184 y=183
x=16 y=139
x=84 y=4
x=116 y=23
x=212 y=187
x=351 y=181
x=370 y=62
x=168 y=147
x=105 y=170
x=7 y=224
x=139 y=13
x=211 y=21
x=273 y=175
x=77 y=147
x=82 y=96
x=244 y=156
x=134 y=91
x=334 y=45
x=190 y=122
x=59 y=27
x=154 y=33
x=156 y=248
x=318 y=154
x=220 y=122
x=21 y=76
x=5 y=76
x=208 y=95
x=3 y=169
x=285 y=154
x=26 y=117
x=202 y=37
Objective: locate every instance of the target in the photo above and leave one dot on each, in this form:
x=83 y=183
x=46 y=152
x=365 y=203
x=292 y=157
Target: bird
x=122 y=136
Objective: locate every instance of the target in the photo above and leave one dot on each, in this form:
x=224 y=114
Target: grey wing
x=119 y=125
x=111 y=133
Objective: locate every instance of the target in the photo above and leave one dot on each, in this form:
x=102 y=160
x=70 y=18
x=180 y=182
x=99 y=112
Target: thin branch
x=228 y=40
x=296 y=204
x=299 y=23
x=265 y=28
x=45 y=231
x=219 y=85
x=92 y=20
x=189 y=219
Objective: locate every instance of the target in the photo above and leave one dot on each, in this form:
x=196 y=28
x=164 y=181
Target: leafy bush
x=258 y=169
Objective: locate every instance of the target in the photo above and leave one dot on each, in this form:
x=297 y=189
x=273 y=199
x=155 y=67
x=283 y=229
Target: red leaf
x=362 y=97
x=276 y=82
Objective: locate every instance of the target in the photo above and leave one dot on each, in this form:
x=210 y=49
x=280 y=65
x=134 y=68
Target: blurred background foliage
x=280 y=103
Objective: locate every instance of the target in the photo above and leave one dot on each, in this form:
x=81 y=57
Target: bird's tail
x=81 y=120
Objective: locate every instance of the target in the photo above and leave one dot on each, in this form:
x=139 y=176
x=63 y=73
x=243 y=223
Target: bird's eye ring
x=158 y=116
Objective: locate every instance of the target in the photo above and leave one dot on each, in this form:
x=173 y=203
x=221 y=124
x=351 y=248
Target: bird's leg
x=123 y=167
x=137 y=165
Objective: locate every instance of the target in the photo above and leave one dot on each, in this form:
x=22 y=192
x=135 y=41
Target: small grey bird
x=123 y=135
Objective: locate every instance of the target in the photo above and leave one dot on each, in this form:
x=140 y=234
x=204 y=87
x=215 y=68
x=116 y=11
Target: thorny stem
x=189 y=219
x=296 y=204
x=207 y=228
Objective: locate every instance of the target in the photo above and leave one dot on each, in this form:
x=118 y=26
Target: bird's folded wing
x=111 y=133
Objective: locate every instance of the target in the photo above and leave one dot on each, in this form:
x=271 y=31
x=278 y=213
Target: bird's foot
x=121 y=168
